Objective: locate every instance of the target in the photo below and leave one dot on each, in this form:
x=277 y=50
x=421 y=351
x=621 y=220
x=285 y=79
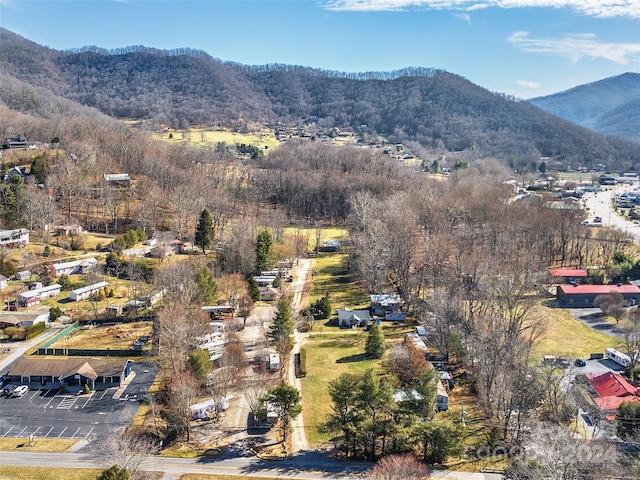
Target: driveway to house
x=298 y=435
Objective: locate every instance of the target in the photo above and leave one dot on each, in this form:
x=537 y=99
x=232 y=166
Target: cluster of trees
x=367 y=421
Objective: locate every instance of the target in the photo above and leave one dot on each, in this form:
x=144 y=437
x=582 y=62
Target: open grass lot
x=203 y=136
x=332 y=278
x=568 y=337
x=116 y=337
x=328 y=357
x=40 y=445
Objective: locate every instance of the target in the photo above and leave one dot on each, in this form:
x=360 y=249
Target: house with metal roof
x=34 y=297
x=584 y=295
x=86 y=292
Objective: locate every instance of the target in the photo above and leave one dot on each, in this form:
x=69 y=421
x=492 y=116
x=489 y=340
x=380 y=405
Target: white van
x=20 y=391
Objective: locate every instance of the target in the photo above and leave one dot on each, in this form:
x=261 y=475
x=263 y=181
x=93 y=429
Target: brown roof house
x=70 y=372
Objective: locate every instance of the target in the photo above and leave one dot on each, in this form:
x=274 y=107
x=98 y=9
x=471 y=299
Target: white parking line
x=34 y=433
x=52 y=398
x=47 y=434
x=73 y=436
x=105 y=392
x=20 y=434
x=7 y=432
x=65 y=428
x=35 y=394
x=88 y=400
x=85 y=437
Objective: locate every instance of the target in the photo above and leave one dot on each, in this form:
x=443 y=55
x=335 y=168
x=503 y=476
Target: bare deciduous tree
x=129 y=450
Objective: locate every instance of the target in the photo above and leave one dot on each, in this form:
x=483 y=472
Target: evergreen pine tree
x=264 y=244
x=204 y=231
x=375 y=346
x=254 y=289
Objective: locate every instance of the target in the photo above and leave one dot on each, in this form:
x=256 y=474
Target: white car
x=20 y=391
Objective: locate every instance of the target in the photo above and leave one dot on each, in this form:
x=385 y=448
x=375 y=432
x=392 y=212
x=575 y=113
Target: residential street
x=301 y=466
x=599 y=205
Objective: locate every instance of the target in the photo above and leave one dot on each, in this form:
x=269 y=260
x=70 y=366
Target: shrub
x=65 y=282
x=77 y=242
x=35 y=330
x=114 y=473
x=85 y=389
x=54 y=313
x=46 y=252
x=15 y=333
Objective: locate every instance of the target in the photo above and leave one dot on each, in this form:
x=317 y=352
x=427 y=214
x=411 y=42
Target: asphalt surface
x=45 y=414
x=300 y=466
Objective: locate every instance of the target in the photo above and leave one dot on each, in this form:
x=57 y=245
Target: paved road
x=599 y=205
x=301 y=466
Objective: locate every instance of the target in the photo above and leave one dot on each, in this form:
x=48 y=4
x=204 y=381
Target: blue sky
x=524 y=48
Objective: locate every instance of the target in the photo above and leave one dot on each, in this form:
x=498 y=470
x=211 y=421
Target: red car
x=12 y=307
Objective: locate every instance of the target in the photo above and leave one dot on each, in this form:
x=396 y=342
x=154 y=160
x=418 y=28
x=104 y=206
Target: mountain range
x=440 y=111
x=609 y=106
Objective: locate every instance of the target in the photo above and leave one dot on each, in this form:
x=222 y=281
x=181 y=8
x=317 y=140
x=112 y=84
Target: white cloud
x=594 y=8
x=577 y=46
x=464 y=16
x=528 y=84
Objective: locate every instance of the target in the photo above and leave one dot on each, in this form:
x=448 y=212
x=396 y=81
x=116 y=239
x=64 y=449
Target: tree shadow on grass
x=359 y=357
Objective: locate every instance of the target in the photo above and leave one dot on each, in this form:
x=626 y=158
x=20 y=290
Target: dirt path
x=298 y=435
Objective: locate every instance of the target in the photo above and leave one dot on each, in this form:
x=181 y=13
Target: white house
x=204 y=409
x=353 y=318
x=442 y=397
x=86 y=292
x=33 y=297
x=14 y=238
x=76 y=266
x=3 y=282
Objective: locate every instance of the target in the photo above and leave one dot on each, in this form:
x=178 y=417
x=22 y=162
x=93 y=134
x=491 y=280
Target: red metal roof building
x=584 y=295
x=613 y=389
x=569 y=275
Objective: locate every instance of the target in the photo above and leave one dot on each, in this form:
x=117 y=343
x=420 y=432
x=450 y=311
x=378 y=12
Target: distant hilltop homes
x=17 y=142
x=14 y=238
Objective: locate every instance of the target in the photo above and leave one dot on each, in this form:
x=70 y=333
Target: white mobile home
x=34 y=297
x=86 y=292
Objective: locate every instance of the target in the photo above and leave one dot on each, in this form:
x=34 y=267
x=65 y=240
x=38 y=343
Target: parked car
x=580 y=362
x=8 y=390
x=12 y=307
x=20 y=391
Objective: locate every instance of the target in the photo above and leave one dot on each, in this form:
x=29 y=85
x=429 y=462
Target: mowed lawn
x=328 y=357
x=566 y=336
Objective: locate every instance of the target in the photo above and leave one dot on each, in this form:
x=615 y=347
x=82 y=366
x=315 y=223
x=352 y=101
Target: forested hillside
x=609 y=106
x=180 y=88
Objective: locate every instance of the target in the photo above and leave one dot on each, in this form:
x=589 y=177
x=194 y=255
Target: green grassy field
x=328 y=356
x=568 y=337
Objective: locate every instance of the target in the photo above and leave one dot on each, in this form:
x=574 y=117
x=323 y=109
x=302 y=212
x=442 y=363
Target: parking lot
x=46 y=414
